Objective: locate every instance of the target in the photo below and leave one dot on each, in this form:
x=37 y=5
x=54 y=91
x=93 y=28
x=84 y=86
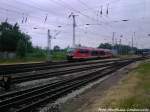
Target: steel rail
x=21 y=69
x=63 y=92
x=56 y=72
x=59 y=72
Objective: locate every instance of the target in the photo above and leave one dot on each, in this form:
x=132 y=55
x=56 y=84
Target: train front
x=70 y=53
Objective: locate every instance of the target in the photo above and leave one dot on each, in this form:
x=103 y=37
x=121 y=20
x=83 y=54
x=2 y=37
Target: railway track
x=21 y=101
x=17 y=68
x=55 y=70
x=58 y=72
x=21 y=68
x=23 y=77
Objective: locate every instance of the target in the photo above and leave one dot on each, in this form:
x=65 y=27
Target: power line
x=89 y=24
x=43 y=10
x=81 y=14
x=88 y=7
x=32 y=6
x=30 y=15
x=73 y=9
x=98 y=12
x=21 y=15
x=93 y=32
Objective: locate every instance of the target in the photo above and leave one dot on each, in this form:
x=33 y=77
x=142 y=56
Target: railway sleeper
x=7 y=81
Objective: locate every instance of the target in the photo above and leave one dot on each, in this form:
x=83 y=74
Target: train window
x=83 y=51
x=102 y=53
x=94 y=53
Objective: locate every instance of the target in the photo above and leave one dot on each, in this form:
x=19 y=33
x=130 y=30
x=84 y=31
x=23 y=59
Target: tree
x=105 y=46
x=21 y=49
x=56 y=48
x=121 y=49
x=13 y=40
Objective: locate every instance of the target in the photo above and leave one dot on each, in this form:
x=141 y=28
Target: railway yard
x=74 y=56
x=31 y=87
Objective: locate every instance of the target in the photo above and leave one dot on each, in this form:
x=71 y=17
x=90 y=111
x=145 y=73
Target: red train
x=88 y=53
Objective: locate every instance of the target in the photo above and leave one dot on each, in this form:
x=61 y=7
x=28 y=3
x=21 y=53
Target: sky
x=35 y=17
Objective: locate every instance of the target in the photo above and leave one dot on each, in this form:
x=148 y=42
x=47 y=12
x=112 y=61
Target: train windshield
x=70 y=50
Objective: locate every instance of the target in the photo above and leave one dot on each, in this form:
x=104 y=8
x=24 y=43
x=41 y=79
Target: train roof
x=90 y=48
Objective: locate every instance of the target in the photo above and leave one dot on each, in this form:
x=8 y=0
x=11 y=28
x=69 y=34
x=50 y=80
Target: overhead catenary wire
x=39 y=8
x=77 y=11
x=51 y=24
x=21 y=13
x=72 y=9
x=24 y=18
x=45 y=10
x=30 y=6
x=35 y=17
x=87 y=6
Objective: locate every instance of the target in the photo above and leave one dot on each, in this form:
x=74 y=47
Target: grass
x=21 y=60
x=132 y=92
x=141 y=98
x=56 y=56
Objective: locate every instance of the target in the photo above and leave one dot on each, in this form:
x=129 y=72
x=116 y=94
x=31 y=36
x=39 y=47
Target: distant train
x=88 y=53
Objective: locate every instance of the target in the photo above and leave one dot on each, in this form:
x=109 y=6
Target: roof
x=90 y=48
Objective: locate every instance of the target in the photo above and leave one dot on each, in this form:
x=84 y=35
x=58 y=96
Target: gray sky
x=101 y=26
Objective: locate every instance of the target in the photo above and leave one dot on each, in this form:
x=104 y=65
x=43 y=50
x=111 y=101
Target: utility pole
x=49 y=45
x=120 y=49
x=74 y=26
x=107 y=11
x=133 y=42
x=116 y=45
x=113 y=39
